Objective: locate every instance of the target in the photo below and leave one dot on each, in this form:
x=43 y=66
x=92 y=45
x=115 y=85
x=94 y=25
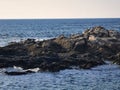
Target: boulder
x=113 y=33
x=80 y=45
x=116 y=58
x=97 y=32
x=76 y=36
x=29 y=41
x=66 y=43
x=52 y=46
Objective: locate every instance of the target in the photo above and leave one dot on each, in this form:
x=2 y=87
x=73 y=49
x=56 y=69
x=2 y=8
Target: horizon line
x=60 y=18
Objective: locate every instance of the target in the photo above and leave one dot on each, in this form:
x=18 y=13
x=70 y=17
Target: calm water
x=106 y=77
x=15 y=30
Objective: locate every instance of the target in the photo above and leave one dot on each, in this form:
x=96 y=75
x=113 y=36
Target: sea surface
x=16 y=30
x=105 y=77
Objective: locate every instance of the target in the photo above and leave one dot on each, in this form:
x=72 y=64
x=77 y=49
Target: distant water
x=106 y=77
x=15 y=30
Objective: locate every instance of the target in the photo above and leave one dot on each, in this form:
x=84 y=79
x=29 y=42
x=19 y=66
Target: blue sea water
x=15 y=30
x=106 y=77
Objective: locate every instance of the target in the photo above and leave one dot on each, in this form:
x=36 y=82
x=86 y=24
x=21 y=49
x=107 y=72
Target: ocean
x=16 y=30
x=106 y=77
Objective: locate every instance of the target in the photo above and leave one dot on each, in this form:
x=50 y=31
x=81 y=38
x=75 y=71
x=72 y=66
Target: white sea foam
x=31 y=69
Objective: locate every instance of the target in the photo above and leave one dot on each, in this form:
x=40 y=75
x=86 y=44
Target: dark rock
x=97 y=32
x=113 y=33
x=80 y=45
x=16 y=73
x=116 y=58
x=76 y=36
x=52 y=46
x=13 y=49
x=85 y=50
x=66 y=43
x=29 y=41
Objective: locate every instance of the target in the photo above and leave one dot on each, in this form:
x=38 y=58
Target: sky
x=59 y=9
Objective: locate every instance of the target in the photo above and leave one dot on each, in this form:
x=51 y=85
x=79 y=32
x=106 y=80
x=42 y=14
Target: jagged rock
x=83 y=50
x=52 y=46
x=29 y=41
x=76 y=36
x=113 y=33
x=80 y=45
x=66 y=43
x=13 y=49
x=115 y=58
x=97 y=32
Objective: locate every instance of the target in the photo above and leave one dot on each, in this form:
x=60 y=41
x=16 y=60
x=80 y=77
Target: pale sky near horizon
x=59 y=9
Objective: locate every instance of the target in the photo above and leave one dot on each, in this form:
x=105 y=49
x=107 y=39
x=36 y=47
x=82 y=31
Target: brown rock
x=97 y=32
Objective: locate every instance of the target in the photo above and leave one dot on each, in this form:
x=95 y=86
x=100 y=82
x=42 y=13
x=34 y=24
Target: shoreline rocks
x=85 y=51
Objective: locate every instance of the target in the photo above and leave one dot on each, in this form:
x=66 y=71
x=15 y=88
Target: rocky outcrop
x=97 y=32
x=85 y=50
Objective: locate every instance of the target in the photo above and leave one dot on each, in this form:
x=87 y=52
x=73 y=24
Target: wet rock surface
x=85 y=50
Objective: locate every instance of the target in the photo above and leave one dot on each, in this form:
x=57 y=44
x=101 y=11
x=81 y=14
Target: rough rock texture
x=85 y=50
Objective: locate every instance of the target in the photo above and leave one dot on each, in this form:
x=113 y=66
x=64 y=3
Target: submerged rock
x=82 y=50
x=15 y=73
